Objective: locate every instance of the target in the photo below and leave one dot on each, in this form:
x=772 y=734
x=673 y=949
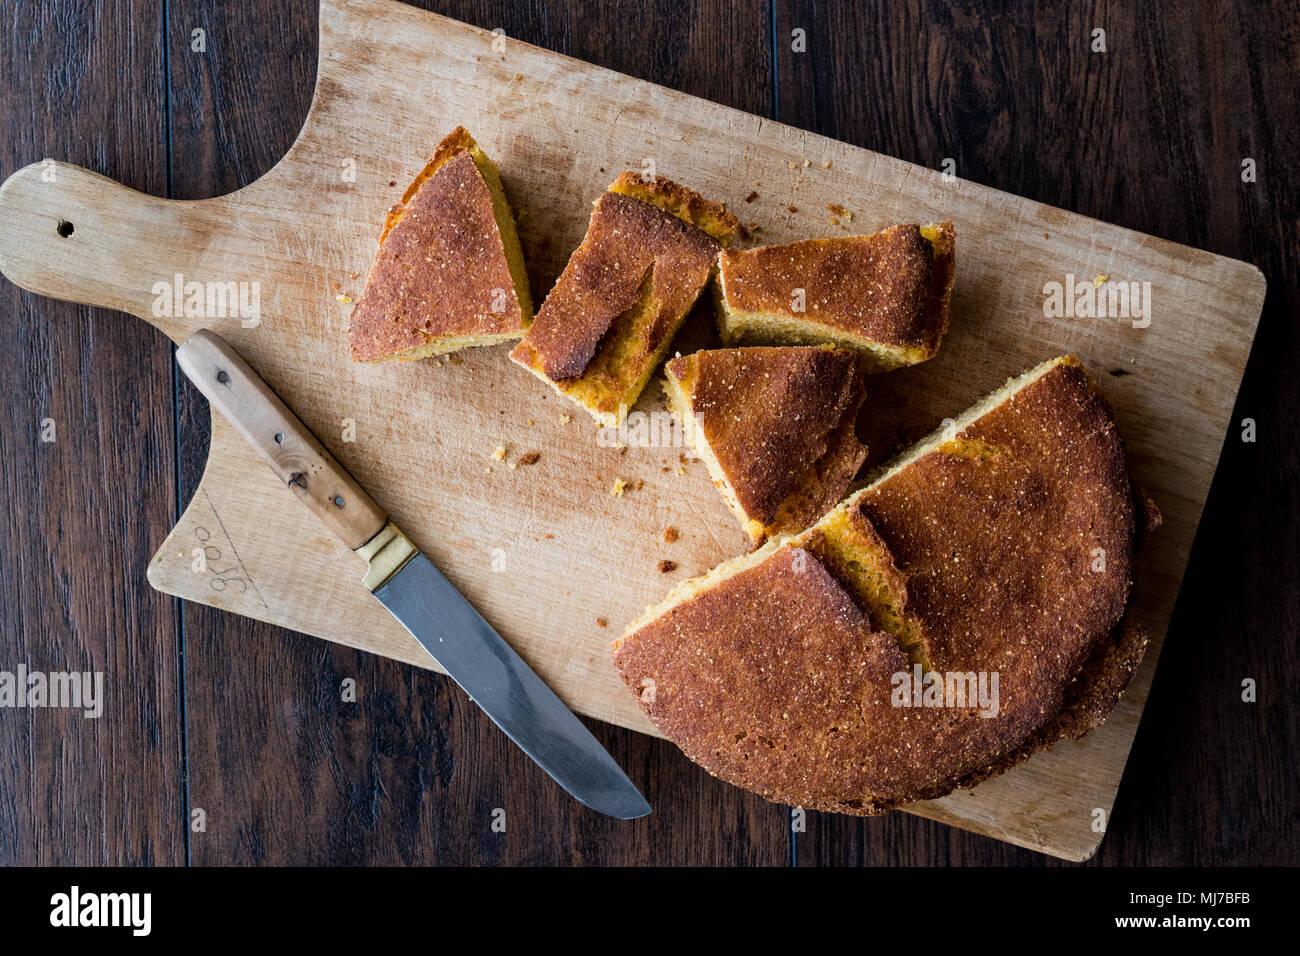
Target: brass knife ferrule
x=386 y=553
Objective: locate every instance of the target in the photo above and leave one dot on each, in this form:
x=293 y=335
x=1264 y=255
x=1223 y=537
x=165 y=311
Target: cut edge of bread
x=872 y=578
x=707 y=215
x=735 y=326
x=679 y=403
x=615 y=343
x=947 y=435
x=711 y=218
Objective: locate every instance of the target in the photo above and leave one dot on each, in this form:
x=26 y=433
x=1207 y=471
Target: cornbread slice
x=885 y=295
x=1002 y=546
x=650 y=248
x=449 y=272
x=775 y=427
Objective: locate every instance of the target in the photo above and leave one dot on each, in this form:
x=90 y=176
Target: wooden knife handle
x=284 y=442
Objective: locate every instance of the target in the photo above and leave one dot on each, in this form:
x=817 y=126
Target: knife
x=406 y=582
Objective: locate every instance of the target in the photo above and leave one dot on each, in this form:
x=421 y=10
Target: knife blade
x=404 y=580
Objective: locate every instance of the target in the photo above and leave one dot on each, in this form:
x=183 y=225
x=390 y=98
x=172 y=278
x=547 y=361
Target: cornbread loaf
x=449 y=272
x=885 y=295
x=1000 y=546
x=650 y=248
x=774 y=426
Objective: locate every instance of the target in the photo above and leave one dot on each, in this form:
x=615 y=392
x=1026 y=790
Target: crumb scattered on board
x=671 y=535
x=620 y=486
x=666 y=566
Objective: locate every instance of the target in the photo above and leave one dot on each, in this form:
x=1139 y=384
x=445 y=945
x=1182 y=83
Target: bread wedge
x=885 y=295
x=1001 y=546
x=650 y=248
x=774 y=426
x=449 y=273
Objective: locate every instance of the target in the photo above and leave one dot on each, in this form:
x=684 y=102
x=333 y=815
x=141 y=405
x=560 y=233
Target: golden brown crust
x=441 y=268
x=769 y=680
x=622 y=297
x=779 y=423
x=890 y=289
x=454 y=143
x=1007 y=550
x=686 y=204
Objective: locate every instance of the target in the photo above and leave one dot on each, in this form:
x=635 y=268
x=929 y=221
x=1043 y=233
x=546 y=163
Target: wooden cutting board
x=558 y=564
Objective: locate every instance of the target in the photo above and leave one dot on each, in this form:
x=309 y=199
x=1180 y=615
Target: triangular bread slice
x=885 y=295
x=649 y=250
x=774 y=426
x=449 y=273
x=999 y=548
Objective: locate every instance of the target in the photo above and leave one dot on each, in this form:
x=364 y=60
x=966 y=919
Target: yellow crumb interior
x=783 y=328
x=442 y=344
x=679 y=403
x=865 y=566
x=703 y=217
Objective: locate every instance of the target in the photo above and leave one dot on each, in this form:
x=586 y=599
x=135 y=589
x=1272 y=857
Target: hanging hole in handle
x=64 y=228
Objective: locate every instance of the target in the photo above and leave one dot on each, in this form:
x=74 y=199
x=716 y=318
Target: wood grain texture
x=301 y=232
x=1154 y=143
x=411 y=772
x=1150 y=135
x=84 y=510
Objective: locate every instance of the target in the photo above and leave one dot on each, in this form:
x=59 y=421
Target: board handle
x=68 y=233
x=282 y=440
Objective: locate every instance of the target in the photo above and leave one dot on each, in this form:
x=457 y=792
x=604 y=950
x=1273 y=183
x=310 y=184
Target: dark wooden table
x=206 y=711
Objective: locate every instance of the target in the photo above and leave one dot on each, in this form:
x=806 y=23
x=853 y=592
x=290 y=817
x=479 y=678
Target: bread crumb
x=840 y=211
x=1100 y=280
x=681 y=469
x=531 y=458
x=620 y=485
x=826 y=165
x=671 y=535
x=792 y=208
x=513 y=465
x=666 y=566
x=751 y=197
x=500 y=453
x=601 y=622
x=343 y=298
x=565 y=419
